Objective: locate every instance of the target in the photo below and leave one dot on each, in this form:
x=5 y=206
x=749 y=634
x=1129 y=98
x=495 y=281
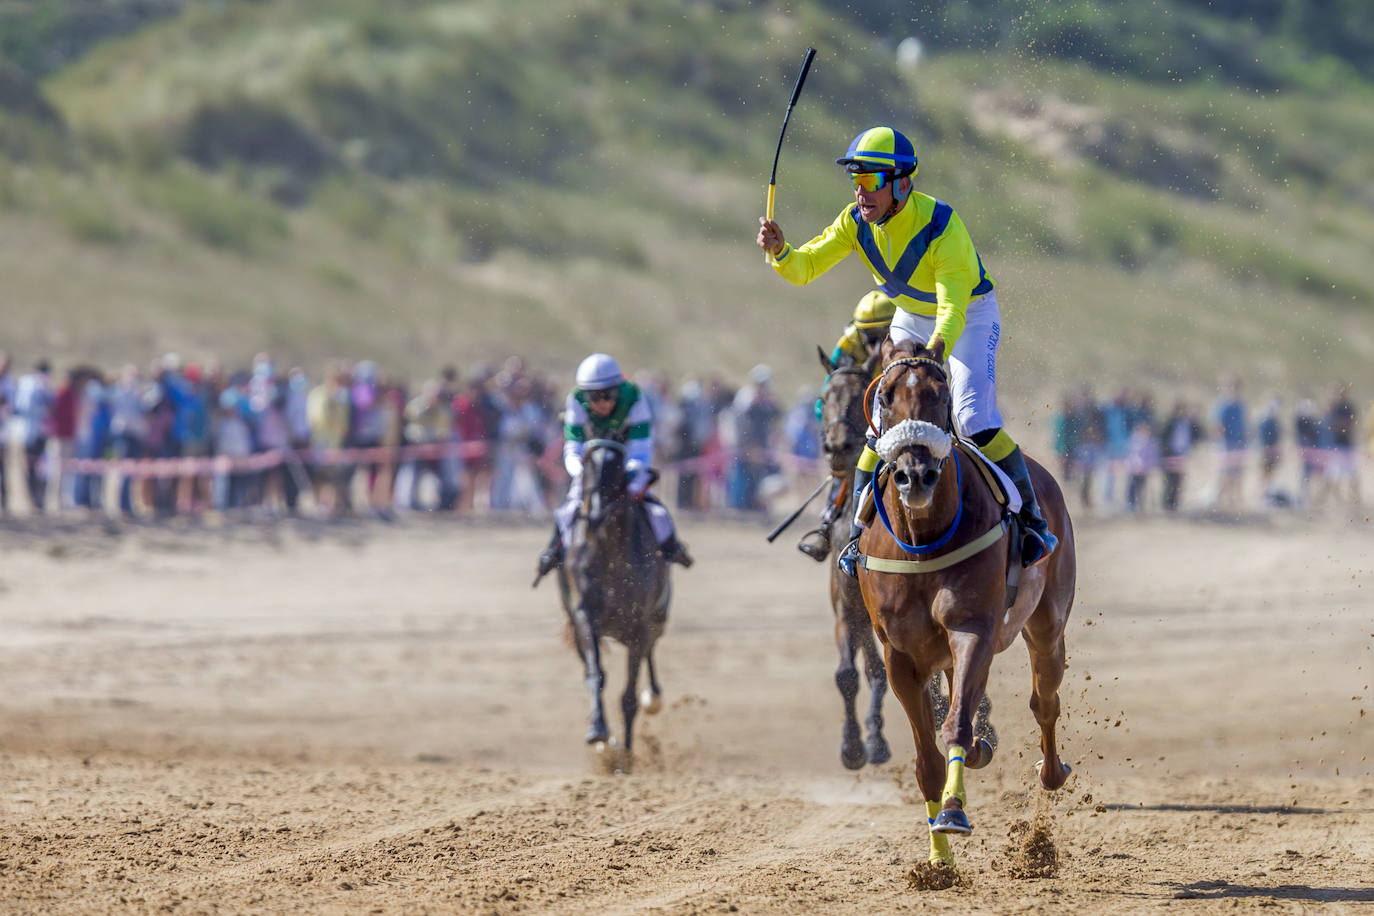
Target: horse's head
x=913 y=396
x=604 y=479
x=843 y=428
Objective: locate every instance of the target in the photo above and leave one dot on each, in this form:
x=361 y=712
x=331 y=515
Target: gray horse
x=842 y=439
x=614 y=582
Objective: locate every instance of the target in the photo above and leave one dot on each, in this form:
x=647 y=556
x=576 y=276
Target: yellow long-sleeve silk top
x=922 y=258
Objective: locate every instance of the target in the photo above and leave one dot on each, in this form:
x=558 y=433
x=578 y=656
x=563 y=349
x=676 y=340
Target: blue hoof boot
x=849 y=559
x=951 y=820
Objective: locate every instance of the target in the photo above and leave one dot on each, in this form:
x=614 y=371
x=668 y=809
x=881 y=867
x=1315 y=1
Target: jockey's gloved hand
x=639 y=477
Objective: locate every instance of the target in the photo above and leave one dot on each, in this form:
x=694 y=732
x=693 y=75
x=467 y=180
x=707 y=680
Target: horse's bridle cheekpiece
x=897 y=364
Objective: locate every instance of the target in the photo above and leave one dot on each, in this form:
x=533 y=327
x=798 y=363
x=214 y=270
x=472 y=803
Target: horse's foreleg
x=852 y=753
x=972 y=652
x=629 y=700
x=876 y=746
x=910 y=688
x=589 y=646
x=1047 y=673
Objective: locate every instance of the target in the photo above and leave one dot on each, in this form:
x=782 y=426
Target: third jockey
x=860 y=339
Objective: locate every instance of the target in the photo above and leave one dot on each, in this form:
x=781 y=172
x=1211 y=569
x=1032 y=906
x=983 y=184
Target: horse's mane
x=905 y=349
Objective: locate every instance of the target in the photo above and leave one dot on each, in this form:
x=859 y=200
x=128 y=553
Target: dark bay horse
x=843 y=433
x=941 y=605
x=614 y=582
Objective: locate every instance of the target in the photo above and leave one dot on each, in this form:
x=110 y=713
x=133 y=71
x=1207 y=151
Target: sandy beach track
x=384 y=718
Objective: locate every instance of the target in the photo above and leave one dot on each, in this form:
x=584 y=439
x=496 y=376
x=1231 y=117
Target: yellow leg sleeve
x=869 y=459
x=954 y=775
x=940 y=852
x=1000 y=447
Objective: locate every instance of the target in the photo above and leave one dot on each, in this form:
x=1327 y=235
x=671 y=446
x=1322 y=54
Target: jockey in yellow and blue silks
x=604 y=405
x=920 y=254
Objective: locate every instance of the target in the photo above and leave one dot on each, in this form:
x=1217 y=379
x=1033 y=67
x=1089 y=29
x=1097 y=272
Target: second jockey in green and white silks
x=630 y=422
x=603 y=405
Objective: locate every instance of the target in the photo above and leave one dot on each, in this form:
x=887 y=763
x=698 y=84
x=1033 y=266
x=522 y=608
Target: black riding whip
x=773 y=176
x=782 y=526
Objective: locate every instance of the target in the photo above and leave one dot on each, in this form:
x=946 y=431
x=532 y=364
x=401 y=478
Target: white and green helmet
x=599 y=372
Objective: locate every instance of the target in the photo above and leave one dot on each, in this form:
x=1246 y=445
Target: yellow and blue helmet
x=880 y=149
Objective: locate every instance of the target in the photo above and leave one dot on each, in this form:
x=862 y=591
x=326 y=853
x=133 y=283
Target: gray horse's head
x=605 y=480
x=843 y=426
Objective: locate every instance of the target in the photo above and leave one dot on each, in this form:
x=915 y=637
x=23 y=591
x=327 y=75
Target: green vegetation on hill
x=441 y=180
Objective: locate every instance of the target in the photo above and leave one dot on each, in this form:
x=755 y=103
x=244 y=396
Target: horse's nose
x=930 y=476
x=901 y=478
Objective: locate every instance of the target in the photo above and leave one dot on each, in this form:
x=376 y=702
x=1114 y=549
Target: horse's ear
x=885 y=351
x=825 y=360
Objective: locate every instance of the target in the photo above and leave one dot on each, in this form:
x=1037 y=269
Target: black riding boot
x=850 y=555
x=1037 y=542
x=551 y=558
x=816 y=544
x=674 y=551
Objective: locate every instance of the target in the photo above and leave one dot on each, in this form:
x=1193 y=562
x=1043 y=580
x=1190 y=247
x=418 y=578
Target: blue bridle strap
x=944 y=538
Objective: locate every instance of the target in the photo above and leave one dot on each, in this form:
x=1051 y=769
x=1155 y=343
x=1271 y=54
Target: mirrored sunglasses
x=870 y=181
x=606 y=394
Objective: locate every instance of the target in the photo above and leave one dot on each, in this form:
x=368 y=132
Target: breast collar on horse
x=976 y=546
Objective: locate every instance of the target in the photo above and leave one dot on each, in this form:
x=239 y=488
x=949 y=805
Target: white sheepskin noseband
x=915 y=432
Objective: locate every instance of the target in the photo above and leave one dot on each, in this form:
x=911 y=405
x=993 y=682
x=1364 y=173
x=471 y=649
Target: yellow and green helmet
x=880 y=149
x=874 y=311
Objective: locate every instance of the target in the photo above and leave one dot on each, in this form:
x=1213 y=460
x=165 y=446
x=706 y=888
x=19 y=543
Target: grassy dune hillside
x=429 y=181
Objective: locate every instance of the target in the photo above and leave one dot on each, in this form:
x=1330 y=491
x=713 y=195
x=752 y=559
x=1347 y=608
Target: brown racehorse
x=842 y=440
x=935 y=615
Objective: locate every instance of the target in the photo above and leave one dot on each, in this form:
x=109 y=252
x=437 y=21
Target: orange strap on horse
x=904 y=361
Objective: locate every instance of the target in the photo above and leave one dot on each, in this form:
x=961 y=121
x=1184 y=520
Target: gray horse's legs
x=651 y=698
x=852 y=753
x=589 y=645
x=876 y=746
x=629 y=700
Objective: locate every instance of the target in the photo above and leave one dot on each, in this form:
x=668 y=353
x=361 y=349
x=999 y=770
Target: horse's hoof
x=984 y=755
x=952 y=820
x=649 y=701
x=598 y=734
x=1050 y=784
x=852 y=755
x=878 y=751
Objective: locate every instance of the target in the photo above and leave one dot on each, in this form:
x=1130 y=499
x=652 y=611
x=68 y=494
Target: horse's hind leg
x=651 y=697
x=1045 y=641
x=911 y=689
x=852 y=753
x=876 y=746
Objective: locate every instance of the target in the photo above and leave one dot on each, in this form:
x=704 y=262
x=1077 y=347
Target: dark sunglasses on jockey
x=605 y=394
x=871 y=181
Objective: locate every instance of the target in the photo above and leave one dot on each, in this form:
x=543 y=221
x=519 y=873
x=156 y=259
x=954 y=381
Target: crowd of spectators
x=1121 y=454
x=179 y=438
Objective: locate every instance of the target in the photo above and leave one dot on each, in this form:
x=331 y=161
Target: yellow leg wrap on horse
x=869 y=459
x=1000 y=447
x=954 y=775
x=939 y=842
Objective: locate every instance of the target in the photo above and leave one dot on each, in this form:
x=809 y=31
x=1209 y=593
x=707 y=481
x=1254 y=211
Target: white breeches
x=659 y=518
x=972 y=365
